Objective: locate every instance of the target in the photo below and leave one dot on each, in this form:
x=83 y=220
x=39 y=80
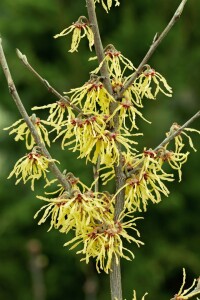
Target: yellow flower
x=85 y=131
x=132 y=93
x=22 y=131
x=88 y=135
x=80 y=29
x=145 y=181
x=87 y=208
x=92 y=96
x=145 y=79
x=179 y=138
x=150 y=187
x=107 y=147
x=127 y=111
x=108 y=3
x=128 y=160
x=57 y=112
x=75 y=211
x=103 y=241
x=32 y=166
x=175 y=159
x=143 y=161
x=114 y=59
x=190 y=292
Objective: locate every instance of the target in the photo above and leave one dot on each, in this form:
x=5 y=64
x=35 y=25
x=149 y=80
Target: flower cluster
x=146 y=175
x=80 y=28
x=32 y=166
x=127 y=111
x=175 y=159
x=91 y=216
x=129 y=104
x=89 y=135
x=179 y=144
x=103 y=241
x=58 y=113
x=92 y=96
x=145 y=79
x=114 y=60
x=145 y=181
x=118 y=64
x=74 y=211
x=23 y=133
x=92 y=131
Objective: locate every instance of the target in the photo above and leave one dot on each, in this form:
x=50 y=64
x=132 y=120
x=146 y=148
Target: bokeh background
x=34 y=265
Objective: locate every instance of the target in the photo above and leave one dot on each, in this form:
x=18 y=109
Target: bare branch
x=172 y=136
x=13 y=91
x=66 y=99
x=98 y=44
x=156 y=42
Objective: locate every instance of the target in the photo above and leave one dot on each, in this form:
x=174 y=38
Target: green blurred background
x=34 y=265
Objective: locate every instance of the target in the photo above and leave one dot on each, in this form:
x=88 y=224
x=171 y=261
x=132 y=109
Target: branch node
x=22 y=56
x=180 y=9
x=155 y=38
x=46 y=84
x=11 y=88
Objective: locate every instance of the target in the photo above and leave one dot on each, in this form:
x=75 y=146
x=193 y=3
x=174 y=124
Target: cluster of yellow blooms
x=146 y=176
x=91 y=215
x=92 y=139
x=23 y=133
x=91 y=133
x=32 y=166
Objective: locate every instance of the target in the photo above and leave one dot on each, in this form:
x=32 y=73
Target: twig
x=156 y=41
x=173 y=135
x=13 y=91
x=98 y=44
x=66 y=99
x=96 y=174
x=168 y=139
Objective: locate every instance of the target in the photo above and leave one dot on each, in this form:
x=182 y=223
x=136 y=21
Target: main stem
x=115 y=273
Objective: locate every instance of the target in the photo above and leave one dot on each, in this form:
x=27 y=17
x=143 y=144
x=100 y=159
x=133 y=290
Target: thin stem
x=156 y=42
x=66 y=99
x=96 y=174
x=13 y=91
x=104 y=73
x=115 y=273
x=173 y=135
x=98 y=44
